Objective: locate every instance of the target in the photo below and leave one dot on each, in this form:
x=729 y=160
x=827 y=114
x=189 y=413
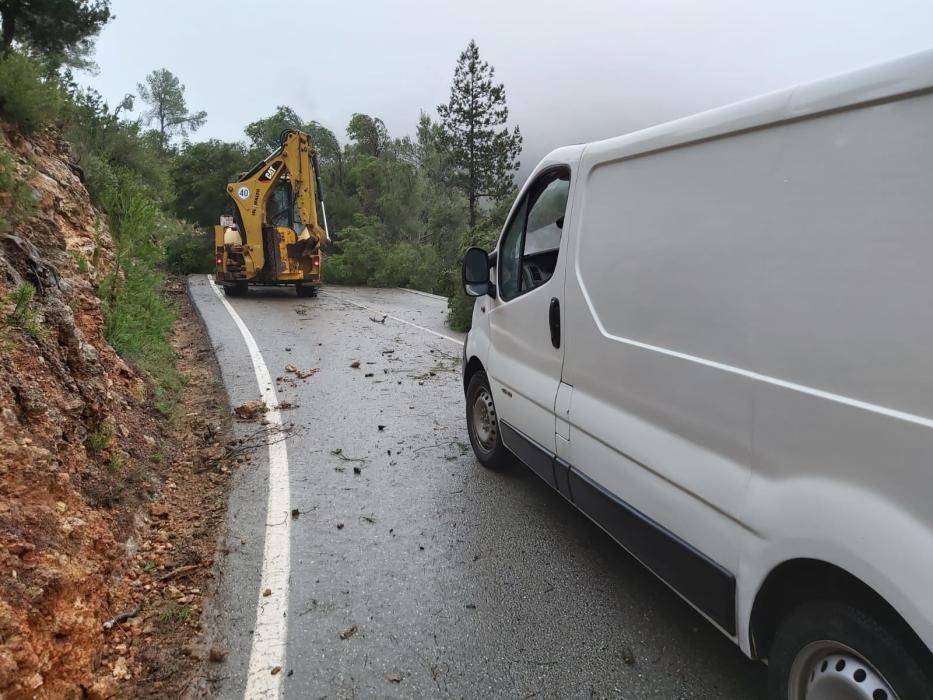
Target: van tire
x=483 y=424
x=829 y=638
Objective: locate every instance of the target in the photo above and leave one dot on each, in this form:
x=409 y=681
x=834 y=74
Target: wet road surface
x=424 y=575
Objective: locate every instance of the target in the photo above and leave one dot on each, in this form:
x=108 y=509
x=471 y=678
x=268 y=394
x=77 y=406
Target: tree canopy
x=52 y=26
x=164 y=94
x=265 y=134
x=200 y=174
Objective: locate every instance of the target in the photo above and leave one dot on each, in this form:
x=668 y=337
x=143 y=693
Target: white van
x=715 y=338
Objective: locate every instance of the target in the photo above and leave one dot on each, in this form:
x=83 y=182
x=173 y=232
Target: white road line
x=424 y=294
x=269 y=633
x=402 y=320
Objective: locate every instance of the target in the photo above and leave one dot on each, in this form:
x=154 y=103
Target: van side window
x=528 y=251
x=510 y=258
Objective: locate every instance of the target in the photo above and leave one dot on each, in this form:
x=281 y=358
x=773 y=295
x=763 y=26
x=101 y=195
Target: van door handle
x=553 y=316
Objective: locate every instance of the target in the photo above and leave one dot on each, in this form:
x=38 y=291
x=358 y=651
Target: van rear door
x=525 y=320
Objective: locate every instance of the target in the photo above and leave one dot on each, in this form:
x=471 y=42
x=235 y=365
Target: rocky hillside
x=76 y=432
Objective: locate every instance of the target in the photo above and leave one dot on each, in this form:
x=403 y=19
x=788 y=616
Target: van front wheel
x=826 y=650
x=483 y=424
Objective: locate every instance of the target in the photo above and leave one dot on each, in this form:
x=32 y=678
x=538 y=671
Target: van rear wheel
x=826 y=650
x=483 y=424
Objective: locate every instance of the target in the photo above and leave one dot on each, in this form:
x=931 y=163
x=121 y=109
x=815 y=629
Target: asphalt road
x=446 y=580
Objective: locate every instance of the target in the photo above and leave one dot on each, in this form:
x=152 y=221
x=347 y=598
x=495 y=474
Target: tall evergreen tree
x=482 y=149
x=165 y=95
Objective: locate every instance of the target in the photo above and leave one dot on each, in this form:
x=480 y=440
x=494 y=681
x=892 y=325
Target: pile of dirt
x=82 y=454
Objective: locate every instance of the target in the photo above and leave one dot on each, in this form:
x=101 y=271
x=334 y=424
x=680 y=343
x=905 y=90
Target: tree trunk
x=472 y=208
x=9 y=29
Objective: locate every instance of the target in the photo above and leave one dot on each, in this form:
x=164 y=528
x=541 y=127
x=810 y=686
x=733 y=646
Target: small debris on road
x=470 y=606
x=381 y=428
x=302 y=373
x=295 y=513
x=368 y=374
x=251 y=410
x=628 y=656
x=355 y=364
x=286 y=406
x=276 y=669
x=379 y=320
x=340 y=526
x=339 y=453
x=266 y=593
x=217 y=654
x=302 y=309
x=357 y=470
x=347 y=633
x=394 y=677
x=368 y=518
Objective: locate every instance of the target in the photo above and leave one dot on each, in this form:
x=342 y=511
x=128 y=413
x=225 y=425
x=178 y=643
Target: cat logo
x=243 y=193
x=269 y=174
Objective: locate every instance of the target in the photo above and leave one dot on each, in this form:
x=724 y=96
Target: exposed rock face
x=72 y=417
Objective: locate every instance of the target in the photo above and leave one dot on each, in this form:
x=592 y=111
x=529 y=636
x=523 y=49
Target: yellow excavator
x=273 y=236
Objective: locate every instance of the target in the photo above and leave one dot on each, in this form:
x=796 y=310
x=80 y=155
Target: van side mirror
x=476 y=282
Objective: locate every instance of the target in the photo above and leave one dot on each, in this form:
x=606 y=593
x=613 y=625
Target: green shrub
x=406 y=265
x=24 y=314
x=360 y=253
x=21 y=201
x=137 y=319
x=459 y=305
x=105 y=146
x=26 y=98
x=101 y=438
x=189 y=253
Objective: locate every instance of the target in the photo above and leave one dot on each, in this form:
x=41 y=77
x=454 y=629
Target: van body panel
x=748 y=342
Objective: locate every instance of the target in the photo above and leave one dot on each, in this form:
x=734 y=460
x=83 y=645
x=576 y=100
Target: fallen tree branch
x=123 y=617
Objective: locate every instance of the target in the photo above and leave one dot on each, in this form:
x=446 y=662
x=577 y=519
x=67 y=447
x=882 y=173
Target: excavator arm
x=277 y=237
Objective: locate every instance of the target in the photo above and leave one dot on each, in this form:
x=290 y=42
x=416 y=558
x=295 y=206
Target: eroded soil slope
x=81 y=449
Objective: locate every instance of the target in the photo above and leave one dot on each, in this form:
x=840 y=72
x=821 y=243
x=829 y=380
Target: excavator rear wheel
x=305 y=290
x=237 y=289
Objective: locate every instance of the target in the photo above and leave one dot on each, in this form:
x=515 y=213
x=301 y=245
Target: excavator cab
x=274 y=237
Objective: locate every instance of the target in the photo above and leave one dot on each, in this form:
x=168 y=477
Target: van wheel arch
x=799 y=581
x=472 y=367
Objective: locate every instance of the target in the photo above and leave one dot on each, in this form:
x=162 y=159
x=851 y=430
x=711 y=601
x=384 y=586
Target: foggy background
x=573 y=71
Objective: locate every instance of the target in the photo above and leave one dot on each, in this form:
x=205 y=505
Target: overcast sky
x=574 y=71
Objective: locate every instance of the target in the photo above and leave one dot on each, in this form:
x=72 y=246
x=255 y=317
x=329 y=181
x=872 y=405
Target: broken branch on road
x=339 y=453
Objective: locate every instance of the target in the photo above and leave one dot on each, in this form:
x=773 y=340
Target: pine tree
x=482 y=150
x=165 y=95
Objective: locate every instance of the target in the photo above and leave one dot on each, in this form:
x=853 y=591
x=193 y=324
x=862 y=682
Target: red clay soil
x=104 y=504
